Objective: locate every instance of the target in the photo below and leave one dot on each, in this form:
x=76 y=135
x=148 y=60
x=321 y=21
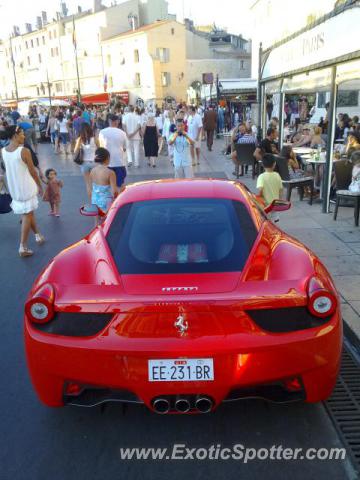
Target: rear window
x=191 y=235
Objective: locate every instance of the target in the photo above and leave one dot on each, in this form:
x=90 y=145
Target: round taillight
x=39 y=311
x=322 y=303
x=40 y=308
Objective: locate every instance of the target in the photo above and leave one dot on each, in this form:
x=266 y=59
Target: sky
x=203 y=12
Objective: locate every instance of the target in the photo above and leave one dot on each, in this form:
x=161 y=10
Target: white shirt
x=63 y=126
x=182 y=157
x=194 y=126
x=132 y=122
x=89 y=150
x=114 y=140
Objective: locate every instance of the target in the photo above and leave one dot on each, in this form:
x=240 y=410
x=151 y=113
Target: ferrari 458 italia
x=187 y=296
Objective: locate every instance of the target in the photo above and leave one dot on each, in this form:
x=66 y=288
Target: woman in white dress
x=24 y=185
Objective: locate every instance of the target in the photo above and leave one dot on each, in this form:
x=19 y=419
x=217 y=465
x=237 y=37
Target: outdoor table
x=302 y=150
x=310 y=160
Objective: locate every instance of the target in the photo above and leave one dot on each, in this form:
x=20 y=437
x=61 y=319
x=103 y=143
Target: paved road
x=39 y=443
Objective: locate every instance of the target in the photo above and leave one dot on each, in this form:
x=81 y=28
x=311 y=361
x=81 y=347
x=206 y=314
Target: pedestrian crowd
x=104 y=140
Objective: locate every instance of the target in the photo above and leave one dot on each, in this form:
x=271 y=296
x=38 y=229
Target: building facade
x=149 y=62
x=44 y=58
x=136 y=47
x=211 y=50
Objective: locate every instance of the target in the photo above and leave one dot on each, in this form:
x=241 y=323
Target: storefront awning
x=273 y=87
x=104 y=97
x=346 y=72
x=237 y=85
x=8 y=103
x=233 y=89
x=315 y=81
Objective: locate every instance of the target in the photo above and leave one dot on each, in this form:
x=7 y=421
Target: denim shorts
x=64 y=138
x=86 y=167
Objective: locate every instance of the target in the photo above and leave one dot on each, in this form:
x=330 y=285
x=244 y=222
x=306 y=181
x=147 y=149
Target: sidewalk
x=336 y=243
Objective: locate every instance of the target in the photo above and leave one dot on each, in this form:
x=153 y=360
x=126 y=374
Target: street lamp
x=45 y=85
x=13 y=66
x=49 y=85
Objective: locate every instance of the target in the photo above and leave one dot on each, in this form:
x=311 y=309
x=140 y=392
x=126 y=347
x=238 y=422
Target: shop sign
x=336 y=37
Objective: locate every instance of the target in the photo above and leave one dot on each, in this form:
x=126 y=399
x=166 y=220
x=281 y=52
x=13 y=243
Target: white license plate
x=181 y=370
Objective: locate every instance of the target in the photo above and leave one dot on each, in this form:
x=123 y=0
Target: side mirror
x=278 y=206
x=91 y=210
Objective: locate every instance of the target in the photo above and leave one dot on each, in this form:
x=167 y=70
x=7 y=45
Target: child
x=269 y=183
x=52 y=193
x=103 y=182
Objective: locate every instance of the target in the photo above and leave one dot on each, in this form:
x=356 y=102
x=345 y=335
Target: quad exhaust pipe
x=161 y=405
x=183 y=404
x=204 y=404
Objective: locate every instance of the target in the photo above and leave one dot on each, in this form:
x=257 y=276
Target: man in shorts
x=195 y=127
x=114 y=139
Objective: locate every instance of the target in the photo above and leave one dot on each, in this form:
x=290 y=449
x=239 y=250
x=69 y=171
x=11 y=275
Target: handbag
x=79 y=157
x=5 y=198
x=5 y=201
x=354 y=186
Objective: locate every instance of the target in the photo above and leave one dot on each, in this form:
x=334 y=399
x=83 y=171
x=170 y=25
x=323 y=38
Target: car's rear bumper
x=241 y=364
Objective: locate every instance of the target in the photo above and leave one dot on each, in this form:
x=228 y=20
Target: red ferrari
x=186 y=297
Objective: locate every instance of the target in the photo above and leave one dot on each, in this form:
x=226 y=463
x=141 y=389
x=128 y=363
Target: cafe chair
x=348 y=196
x=245 y=157
x=343 y=174
x=290 y=184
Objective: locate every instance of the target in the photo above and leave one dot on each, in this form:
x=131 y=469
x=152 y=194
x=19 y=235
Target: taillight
x=322 y=303
x=40 y=308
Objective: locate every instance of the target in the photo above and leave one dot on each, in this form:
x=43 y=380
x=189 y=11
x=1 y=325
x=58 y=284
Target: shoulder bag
x=79 y=157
